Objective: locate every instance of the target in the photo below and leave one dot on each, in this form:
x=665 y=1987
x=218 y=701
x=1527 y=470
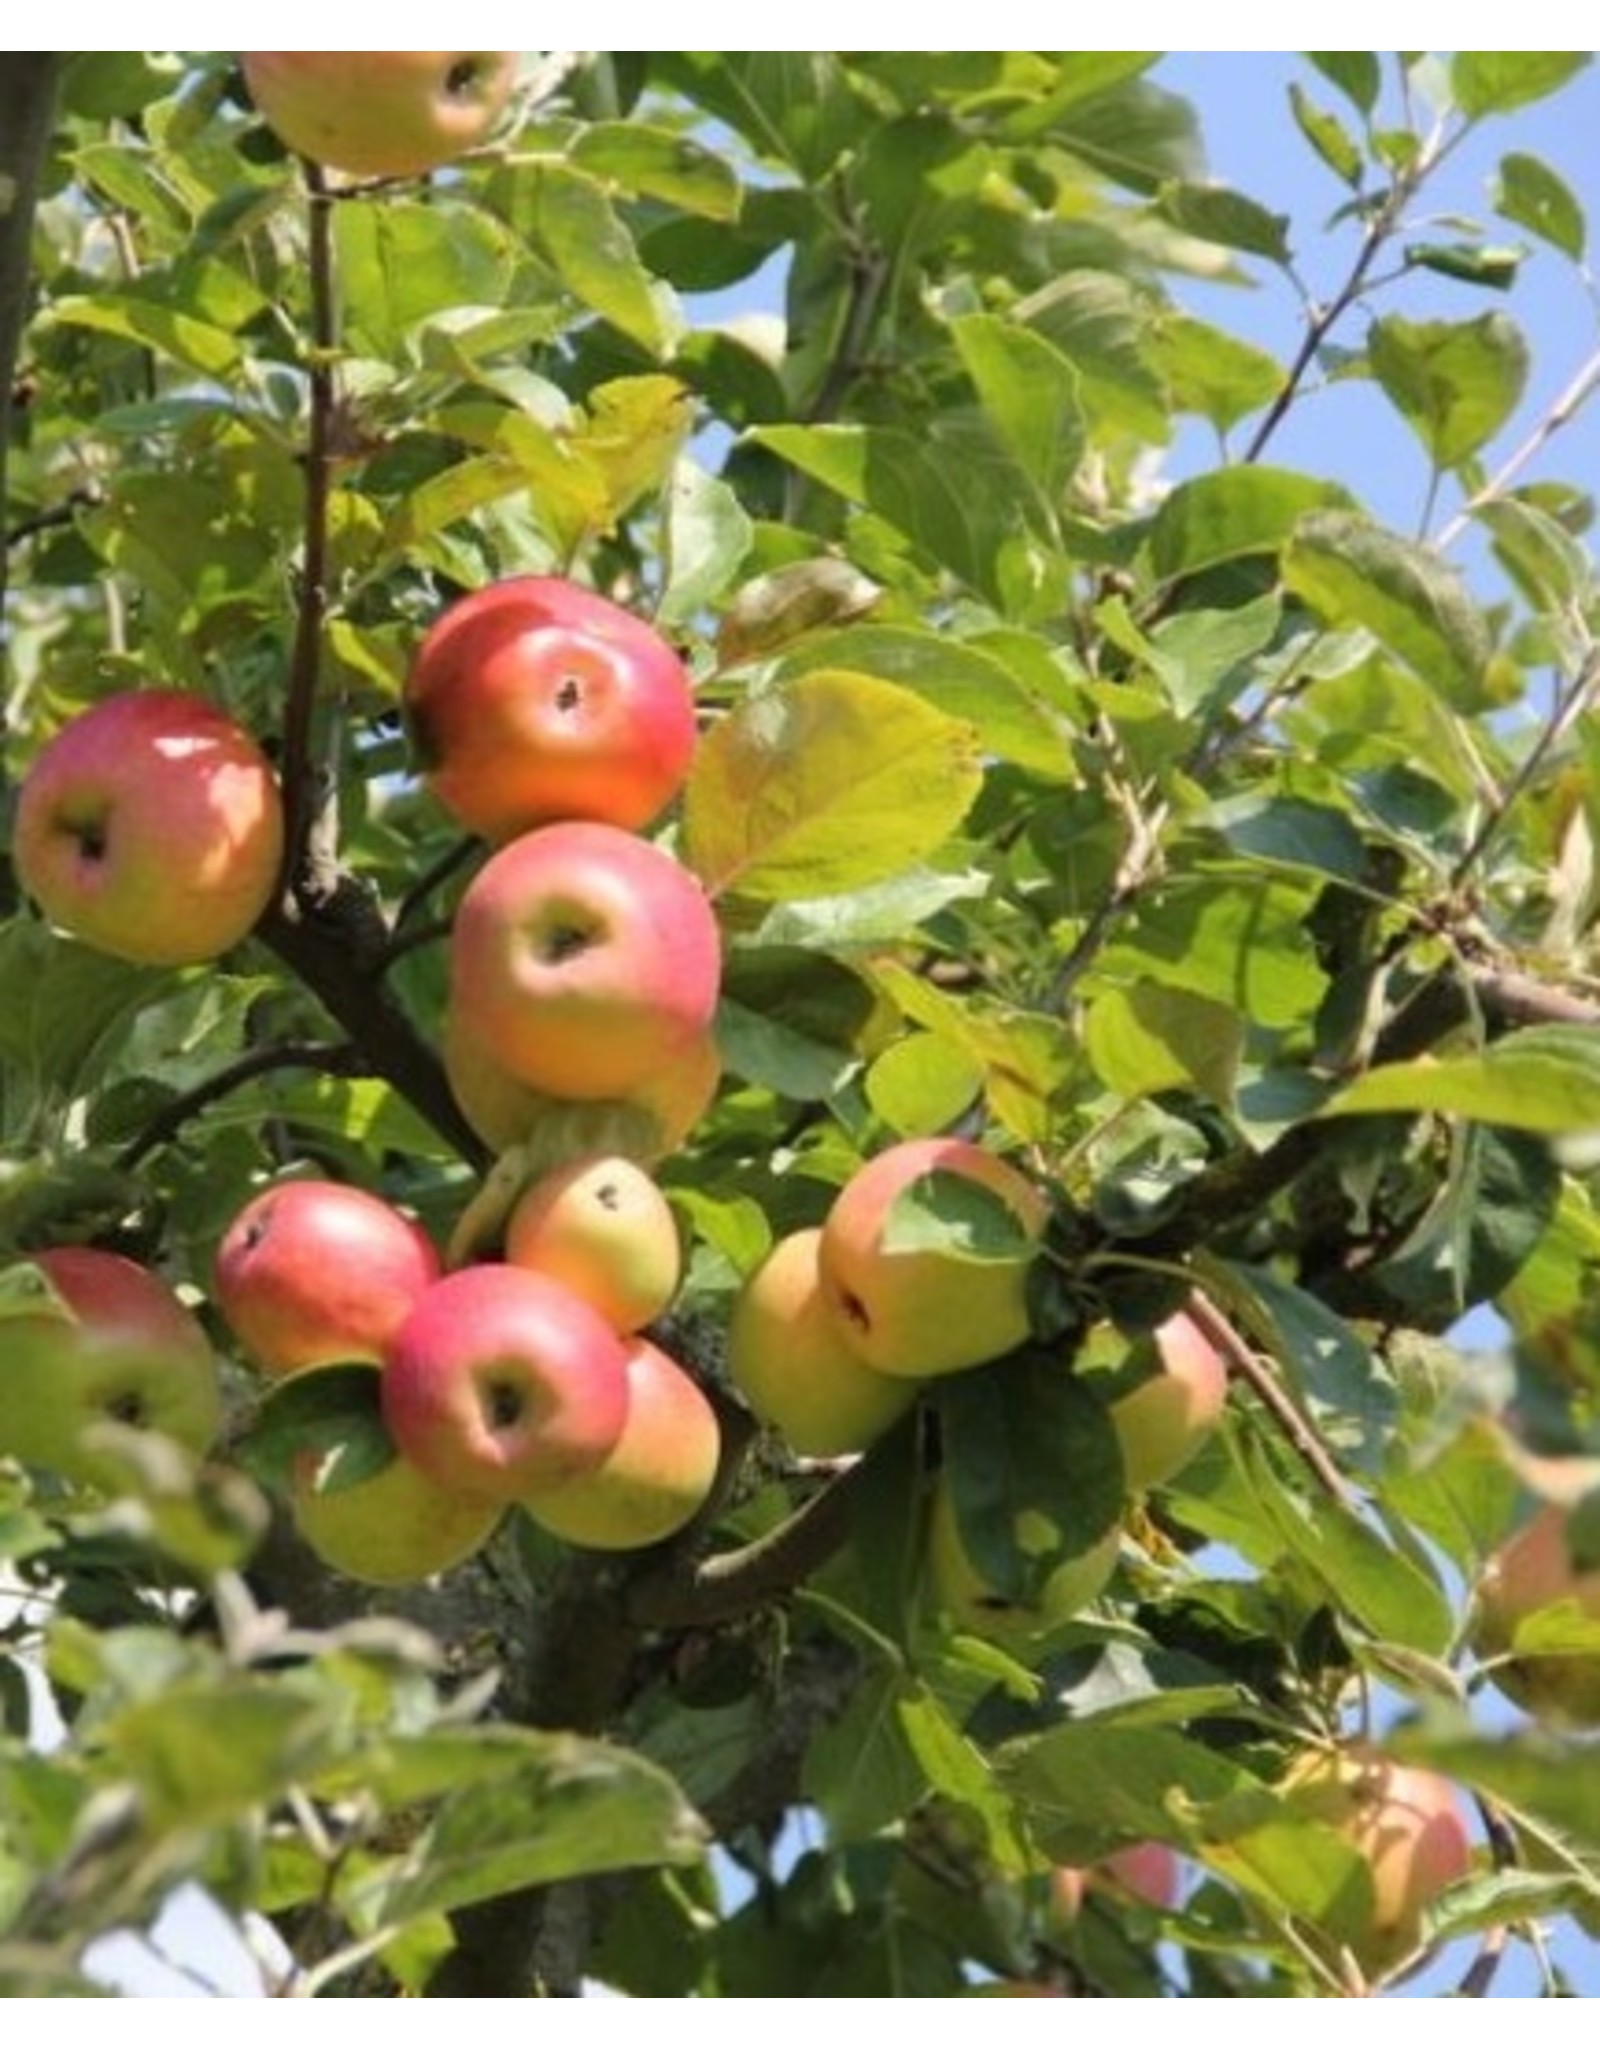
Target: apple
x=500 y=1380
x=790 y=1356
x=1410 y=1830
x=395 y=1528
x=959 y=1590
x=312 y=1272
x=656 y=1477
x=919 y=1311
x=1164 y=1420
x=585 y=958
x=602 y=1227
x=127 y=1351
x=536 y=700
x=648 y=1123
x=380 y=113
x=151 y=827
x=1530 y=1573
x=1148 y=1871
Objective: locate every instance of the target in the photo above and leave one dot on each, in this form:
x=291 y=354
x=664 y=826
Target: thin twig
x=1256 y=1375
x=265 y=1059
x=1577 y=393
x=1569 y=708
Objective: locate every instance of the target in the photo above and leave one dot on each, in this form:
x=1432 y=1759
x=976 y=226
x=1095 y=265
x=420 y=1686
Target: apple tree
x=1081 y=781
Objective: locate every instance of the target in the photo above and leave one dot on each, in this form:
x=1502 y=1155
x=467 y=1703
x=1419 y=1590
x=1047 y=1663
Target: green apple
x=791 y=1358
x=602 y=1227
x=380 y=113
x=1408 y=1827
x=393 y=1529
x=312 y=1272
x=1163 y=1420
x=1525 y=1591
x=658 y=1474
x=917 y=1310
x=960 y=1592
x=126 y=1351
x=151 y=827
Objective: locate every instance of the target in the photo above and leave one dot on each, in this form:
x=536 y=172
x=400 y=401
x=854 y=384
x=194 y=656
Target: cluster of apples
x=519 y=1381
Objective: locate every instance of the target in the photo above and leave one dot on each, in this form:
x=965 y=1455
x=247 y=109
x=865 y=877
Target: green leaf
x=922 y=1083
x=1499 y=81
x=952 y=1215
x=1232 y=512
x=833 y=781
x=1327 y=135
x=1456 y=383
x=658 y=163
x=1030 y=390
x=1493 y=266
x=1530 y=193
x=1356 y=573
x=861 y=1770
x=1354 y=72
x=708 y=535
x=1537 y=551
x=1212 y=372
x=1214 y=214
x=1097 y=1782
x=595 y=257
x=1546 y=1078
x=1149 y=1037
x=1289 y=832
x=399 y=263
x=198 y=345
x=325 y=1409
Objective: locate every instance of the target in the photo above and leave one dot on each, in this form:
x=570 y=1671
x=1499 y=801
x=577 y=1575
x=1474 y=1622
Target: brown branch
x=1297 y=1430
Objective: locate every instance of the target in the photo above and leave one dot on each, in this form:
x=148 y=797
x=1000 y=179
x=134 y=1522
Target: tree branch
x=265 y=1059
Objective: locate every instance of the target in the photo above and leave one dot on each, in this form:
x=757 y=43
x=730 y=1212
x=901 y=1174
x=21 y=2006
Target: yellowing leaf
x=833 y=782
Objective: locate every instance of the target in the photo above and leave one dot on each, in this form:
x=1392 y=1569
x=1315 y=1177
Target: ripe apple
x=392 y=1529
x=152 y=828
x=1530 y=1573
x=648 y=1123
x=1148 y=1871
x=585 y=958
x=656 y=1477
x=312 y=1272
x=960 y=1591
x=536 y=700
x=602 y=1227
x=792 y=1360
x=500 y=1380
x=915 y=1310
x=1410 y=1830
x=127 y=1352
x=1164 y=1420
x=380 y=113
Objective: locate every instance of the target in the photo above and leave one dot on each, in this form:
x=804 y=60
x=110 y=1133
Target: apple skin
x=500 y=1380
x=649 y=1123
x=394 y=1529
x=1406 y=1823
x=135 y=1355
x=1162 y=1422
x=151 y=827
x=585 y=958
x=792 y=1360
x=602 y=1227
x=1534 y=1570
x=312 y=1272
x=380 y=113
x=919 y=1314
x=959 y=1591
x=536 y=700
x=1148 y=1871
x=656 y=1477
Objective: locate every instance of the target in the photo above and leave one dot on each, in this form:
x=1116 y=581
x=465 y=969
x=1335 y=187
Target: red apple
x=500 y=1380
x=1147 y=1871
x=315 y=1273
x=536 y=700
x=152 y=828
x=1532 y=1573
x=915 y=1310
x=1164 y=1420
x=128 y=1352
x=791 y=1358
x=656 y=1477
x=602 y=1227
x=380 y=113
x=1409 y=1828
x=649 y=1123
x=585 y=959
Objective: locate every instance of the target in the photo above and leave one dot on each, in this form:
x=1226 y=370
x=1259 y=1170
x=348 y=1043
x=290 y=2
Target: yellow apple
x=602 y=1227
x=960 y=1592
x=792 y=1360
x=380 y=113
x=393 y=1529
